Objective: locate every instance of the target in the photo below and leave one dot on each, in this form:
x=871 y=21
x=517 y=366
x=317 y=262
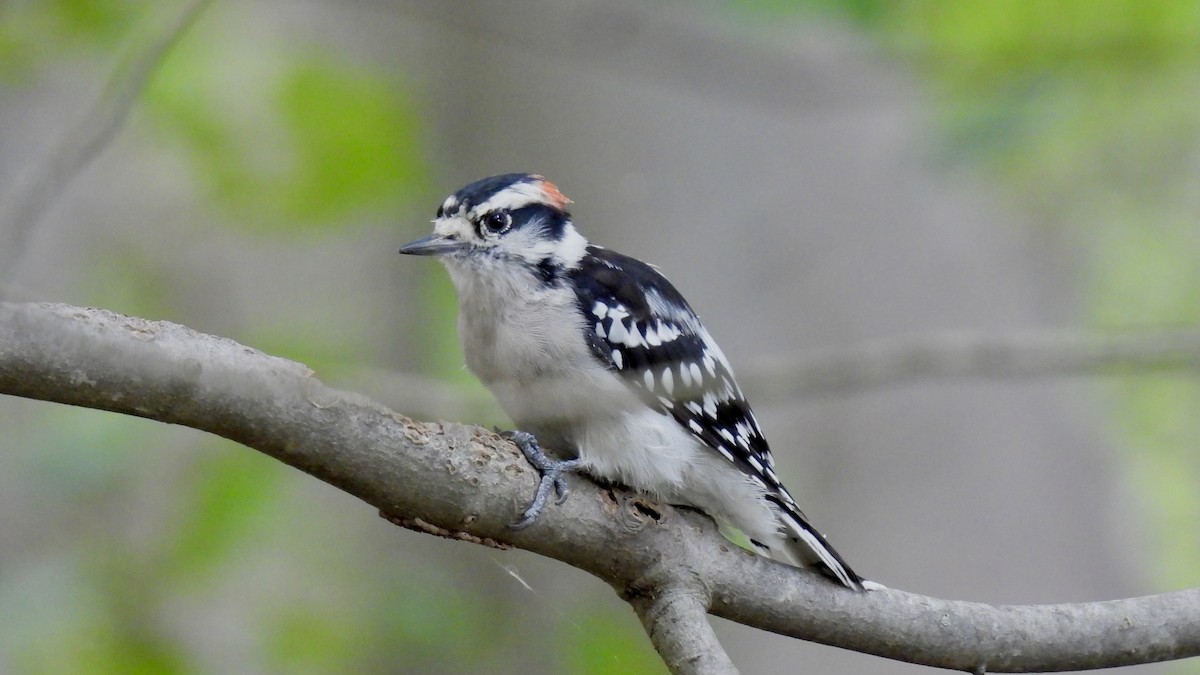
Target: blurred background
x=811 y=174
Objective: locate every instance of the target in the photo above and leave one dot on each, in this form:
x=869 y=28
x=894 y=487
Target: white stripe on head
x=538 y=190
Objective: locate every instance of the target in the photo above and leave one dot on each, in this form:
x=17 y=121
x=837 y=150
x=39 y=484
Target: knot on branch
x=636 y=511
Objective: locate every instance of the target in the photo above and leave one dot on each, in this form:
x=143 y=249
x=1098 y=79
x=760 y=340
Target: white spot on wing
x=696 y=375
x=618 y=359
x=743 y=434
x=617 y=333
x=633 y=338
x=649 y=378
x=668 y=380
x=599 y=309
x=667 y=332
x=652 y=337
x=711 y=347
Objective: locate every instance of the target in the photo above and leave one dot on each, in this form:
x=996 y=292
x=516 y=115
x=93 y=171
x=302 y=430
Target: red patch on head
x=553 y=195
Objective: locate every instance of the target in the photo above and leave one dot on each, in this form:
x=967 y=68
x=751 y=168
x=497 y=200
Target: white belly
x=525 y=343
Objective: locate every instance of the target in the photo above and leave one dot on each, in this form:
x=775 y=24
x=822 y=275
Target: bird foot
x=553 y=473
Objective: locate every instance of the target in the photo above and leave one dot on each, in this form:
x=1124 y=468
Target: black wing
x=644 y=329
x=649 y=334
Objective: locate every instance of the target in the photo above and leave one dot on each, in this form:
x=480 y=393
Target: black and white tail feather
x=597 y=352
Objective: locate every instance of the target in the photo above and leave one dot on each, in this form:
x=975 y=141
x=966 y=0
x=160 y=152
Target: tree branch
x=973 y=356
x=869 y=366
x=466 y=482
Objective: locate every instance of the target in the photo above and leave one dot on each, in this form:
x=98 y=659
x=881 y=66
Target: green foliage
x=602 y=643
x=32 y=31
x=83 y=453
x=79 y=599
x=441 y=353
x=288 y=137
x=229 y=492
x=1146 y=274
x=71 y=624
x=354 y=136
x=341 y=141
x=129 y=281
x=325 y=347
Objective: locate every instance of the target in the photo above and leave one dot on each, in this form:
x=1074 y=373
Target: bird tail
x=810 y=548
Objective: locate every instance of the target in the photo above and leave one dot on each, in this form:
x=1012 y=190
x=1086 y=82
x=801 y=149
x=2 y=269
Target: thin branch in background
x=452 y=478
x=964 y=356
x=421 y=396
x=35 y=189
x=865 y=367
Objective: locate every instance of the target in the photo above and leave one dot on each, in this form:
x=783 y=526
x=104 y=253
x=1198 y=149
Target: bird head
x=511 y=218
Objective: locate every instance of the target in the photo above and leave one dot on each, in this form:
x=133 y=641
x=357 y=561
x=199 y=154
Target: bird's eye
x=440 y=212
x=497 y=222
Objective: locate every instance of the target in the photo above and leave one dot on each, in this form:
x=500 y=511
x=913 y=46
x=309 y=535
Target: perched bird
x=595 y=353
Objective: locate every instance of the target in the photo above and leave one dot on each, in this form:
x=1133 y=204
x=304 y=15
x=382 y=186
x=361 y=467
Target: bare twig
x=34 y=190
x=462 y=479
x=900 y=361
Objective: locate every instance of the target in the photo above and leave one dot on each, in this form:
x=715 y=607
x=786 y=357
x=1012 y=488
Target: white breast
x=526 y=343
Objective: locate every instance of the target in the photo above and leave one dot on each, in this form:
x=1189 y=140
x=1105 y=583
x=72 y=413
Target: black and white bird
x=595 y=353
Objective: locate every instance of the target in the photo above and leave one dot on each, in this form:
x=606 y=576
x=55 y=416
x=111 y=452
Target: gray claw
x=553 y=474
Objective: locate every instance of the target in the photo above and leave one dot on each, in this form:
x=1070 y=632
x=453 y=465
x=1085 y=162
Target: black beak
x=434 y=244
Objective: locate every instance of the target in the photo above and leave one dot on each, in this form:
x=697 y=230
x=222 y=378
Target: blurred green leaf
x=102 y=22
x=355 y=141
x=126 y=280
x=306 y=142
x=70 y=623
x=81 y=453
x=231 y=488
x=1158 y=425
x=603 y=643
x=433 y=620
x=326 y=348
x=304 y=639
x=441 y=350
x=1147 y=275
x=31 y=31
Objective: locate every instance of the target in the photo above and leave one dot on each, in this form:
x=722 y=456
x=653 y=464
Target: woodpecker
x=595 y=353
